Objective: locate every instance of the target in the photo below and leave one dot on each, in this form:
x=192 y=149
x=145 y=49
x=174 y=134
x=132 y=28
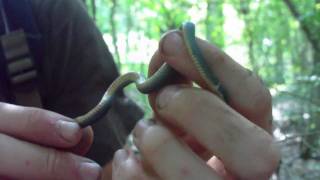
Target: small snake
x=157 y=81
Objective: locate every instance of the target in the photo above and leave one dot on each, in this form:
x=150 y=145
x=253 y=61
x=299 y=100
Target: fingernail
x=90 y=171
x=172 y=44
x=165 y=96
x=68 y=130
x=140 y=128
x=119 y=157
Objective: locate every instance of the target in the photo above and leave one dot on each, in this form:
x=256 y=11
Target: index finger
x=246 y=92
x=43 y=127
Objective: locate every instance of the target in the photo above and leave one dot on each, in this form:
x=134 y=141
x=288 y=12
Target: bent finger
x=169 y=158
x=23 y=160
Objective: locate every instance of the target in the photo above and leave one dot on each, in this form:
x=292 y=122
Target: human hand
x=39 y=144
x=228 y=141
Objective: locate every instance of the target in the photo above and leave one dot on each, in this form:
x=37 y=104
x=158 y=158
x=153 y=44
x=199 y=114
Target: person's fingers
x=23 y=160
x=42 y=127
x=220 y=129
x=168 y=157
x=245 y=91
x=126 y=166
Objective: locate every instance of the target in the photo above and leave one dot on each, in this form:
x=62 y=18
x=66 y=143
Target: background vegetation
x=277 y=39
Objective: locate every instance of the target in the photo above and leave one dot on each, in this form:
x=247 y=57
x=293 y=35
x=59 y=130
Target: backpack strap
x=21 y=49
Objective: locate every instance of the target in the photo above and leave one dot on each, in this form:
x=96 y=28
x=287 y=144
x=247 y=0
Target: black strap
x=21 y=52
x=5 y=86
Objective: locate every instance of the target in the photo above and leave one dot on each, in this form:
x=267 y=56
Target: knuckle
x=255 y=96
x=34 y=115
x=263 y=102
x=262 y=99
x=52 y=161
x=259 y=103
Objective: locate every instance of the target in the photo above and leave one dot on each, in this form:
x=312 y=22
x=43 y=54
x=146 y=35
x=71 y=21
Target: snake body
x=157 y=81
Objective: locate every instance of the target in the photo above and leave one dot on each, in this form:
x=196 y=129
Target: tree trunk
x=114 y=32
x=314 y=41
x=214 y=22
x=315 y=91
x=94 y=11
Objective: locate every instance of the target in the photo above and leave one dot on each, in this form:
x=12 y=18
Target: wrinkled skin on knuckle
x=259 y=96
x=53 y=159
x=262 y=102
x=34 y=117
x=60 y=165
